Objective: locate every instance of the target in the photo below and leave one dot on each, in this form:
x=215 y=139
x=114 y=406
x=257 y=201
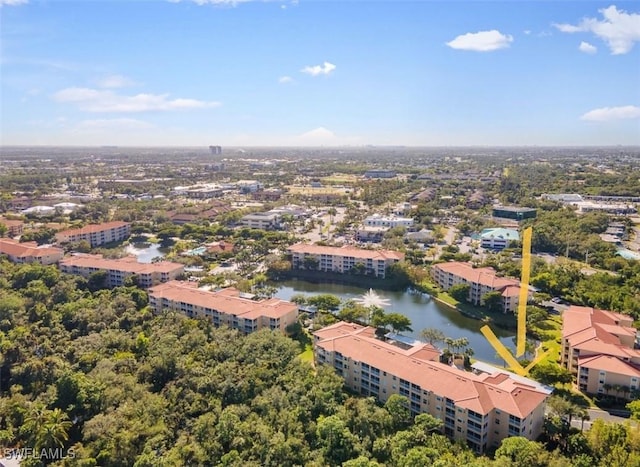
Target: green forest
x=98 y=376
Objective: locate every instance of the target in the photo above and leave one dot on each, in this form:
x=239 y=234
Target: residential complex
x=29 y=252
x=480 y=409
x=342 y=259
x=481 y=281
x=118 y=270
x=498 y=238
x=223 y=307
x=261 y=220
x=96 y=234
x=598 y=347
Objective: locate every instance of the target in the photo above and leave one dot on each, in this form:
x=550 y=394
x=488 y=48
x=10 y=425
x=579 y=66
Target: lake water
x=145 y=253
x=422 y=310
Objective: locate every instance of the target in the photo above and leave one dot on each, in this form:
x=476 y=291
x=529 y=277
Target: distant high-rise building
x=215 y=149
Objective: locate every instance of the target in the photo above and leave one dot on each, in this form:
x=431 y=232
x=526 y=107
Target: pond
x=422 y=310
x=145 y=251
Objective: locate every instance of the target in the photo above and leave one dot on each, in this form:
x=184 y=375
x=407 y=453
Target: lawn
x=307 y=354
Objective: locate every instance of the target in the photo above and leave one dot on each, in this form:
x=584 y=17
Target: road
x=595 y=414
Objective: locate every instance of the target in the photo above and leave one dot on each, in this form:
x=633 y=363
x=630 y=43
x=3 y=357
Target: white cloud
x=587 y=48
x=120 y=124
x=13 y=2
x=285 y=79
x=316 y=70
x=482 y=41
x=317 y=136
x=231 y=3
x=527 y=31
x=114 y=81
x=606 y=114
x=93 y=100
x=619 y=29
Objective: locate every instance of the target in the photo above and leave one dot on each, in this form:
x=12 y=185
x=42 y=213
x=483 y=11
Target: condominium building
x=223 y=307
x=96 y=234
x=480 y=280
x=118 y=270
x=598 y=346
x=480 y=409
x=342 y=259
x=29 y=252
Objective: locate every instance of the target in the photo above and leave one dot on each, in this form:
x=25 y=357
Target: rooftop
x=419 y=365
x=227 y=300
x=93 y=228
x=346 y=251
x=126 y=264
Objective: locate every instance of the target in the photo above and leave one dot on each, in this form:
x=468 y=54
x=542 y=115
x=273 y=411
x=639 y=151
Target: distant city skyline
x=250 y=73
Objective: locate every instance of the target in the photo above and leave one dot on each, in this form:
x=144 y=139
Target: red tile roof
x=346 y=251
x=609 y=364
x=126 y=264
x=227 y=301
x=480 y=393
x=93 y=228
x=483 y=276
x=26 y=249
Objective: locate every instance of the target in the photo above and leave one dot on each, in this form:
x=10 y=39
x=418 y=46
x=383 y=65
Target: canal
x=422 y=310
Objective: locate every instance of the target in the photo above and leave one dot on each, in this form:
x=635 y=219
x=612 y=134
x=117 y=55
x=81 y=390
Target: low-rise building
x=96 y=234
x=598 y=347
x=14 y=227
x=380 y=174
x=378 y=220
x=514 y=212
x=29 y=252
x=480 y=280
x=342 y=259
x=261 y=220
x=368 y=234
x=480 y=409
x=118 y=270
x=223 y=307
x=498 y=238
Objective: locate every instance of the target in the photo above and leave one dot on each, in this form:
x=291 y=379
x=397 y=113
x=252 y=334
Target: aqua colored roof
x=508 y=234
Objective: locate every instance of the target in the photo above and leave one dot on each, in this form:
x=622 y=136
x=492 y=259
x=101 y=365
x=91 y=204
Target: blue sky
x=251 y=73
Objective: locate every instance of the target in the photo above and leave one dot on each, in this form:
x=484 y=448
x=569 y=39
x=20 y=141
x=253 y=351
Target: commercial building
x=380 y=174
x=261 y=220
x=498 y=238
x=223 y=307
x=378 y=220
x=342 y=259
x=118 y=270
x=480 y=409
x=480 y=280
x=514 y=212
x=598 y=347
x=29 y=252
x=96 y=234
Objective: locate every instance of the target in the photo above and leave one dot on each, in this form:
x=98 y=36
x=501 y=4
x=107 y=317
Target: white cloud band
x=606 y=114
x=482 y=41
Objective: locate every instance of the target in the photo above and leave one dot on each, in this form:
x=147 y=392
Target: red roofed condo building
x=96 y=234
x=481 y=281
x=29 y=252
x=598 y=347
x=118 y=270
x=480 y=409
x=223 y=307
x=342 y=259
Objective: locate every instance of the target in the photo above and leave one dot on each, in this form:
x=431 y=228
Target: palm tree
x=449 y=343
x=56 y=429
x=583 y=415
